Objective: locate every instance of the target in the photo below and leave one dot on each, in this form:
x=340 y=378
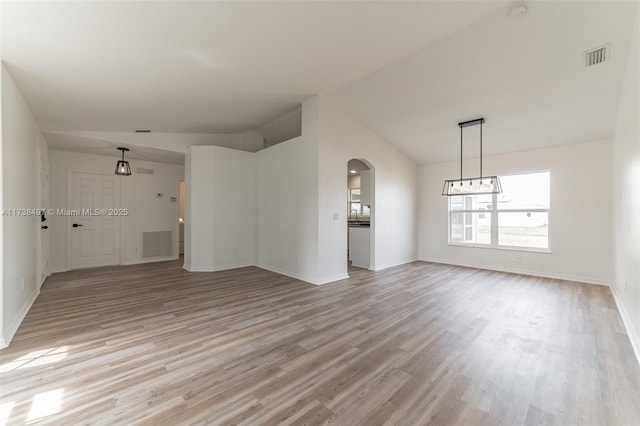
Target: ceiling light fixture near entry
x=122 y=167
x=353 y=172
x=476 y=185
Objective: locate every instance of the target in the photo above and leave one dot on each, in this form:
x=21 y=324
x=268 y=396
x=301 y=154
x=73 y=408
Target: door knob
x=75 y=225
x=44 y=227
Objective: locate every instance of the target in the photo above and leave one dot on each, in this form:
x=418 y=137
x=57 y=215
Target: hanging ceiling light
x=476 y=185
x=122 y=168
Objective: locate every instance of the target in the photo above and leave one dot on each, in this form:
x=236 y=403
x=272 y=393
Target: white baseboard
x=13 y=327
x=305 y=278
x=634 y=337
x=331 y=279
x=291 y=274
x=392 y=264
x=58 y=269
x=575 y=278
x=151 y=260
x=216 y=268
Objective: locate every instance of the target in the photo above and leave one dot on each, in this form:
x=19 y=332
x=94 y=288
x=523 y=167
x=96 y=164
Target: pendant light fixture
x=475 y=185
x=122 y=167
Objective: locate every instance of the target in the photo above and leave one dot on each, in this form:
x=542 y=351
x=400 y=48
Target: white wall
x=626 y=196
x=394 y=200
x=222 y=209
x=579 y=219
x=21 y=139
x=147 y=213
x=288 y=202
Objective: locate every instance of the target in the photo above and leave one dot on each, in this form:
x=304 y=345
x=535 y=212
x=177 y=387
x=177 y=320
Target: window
x=356 y=208
x=516 y=218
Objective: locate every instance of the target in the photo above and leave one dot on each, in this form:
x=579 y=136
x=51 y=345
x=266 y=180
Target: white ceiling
x=525 y=76
x=205 y=67
x=408 y=70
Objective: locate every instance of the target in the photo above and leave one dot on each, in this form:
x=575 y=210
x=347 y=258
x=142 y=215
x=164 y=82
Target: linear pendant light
x=122 y=167
x=475 y=185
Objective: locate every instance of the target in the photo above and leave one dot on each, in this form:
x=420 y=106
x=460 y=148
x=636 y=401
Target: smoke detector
x=518 y=11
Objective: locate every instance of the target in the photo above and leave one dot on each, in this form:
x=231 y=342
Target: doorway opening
x=360 y=214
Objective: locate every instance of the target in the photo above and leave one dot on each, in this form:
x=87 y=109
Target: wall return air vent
x=596 y=56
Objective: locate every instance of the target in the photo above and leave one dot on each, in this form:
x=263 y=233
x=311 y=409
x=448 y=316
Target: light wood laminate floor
x=413 y=345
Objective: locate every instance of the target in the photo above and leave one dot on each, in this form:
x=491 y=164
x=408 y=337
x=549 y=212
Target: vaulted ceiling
x=408 y=70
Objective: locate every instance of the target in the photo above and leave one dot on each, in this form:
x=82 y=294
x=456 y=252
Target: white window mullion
x=494 y=220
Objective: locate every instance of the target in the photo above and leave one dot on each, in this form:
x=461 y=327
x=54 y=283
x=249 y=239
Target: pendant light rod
x=469 y=123
x=481 y=148
x=472 y=185
x=460 y=153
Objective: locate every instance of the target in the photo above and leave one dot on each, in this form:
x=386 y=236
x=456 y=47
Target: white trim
x=508 y=248
x=585 y=280
x=392 y=264
x=287 y=273
x=13 y=328
x=331 y=279
x=216 y=268
x=150 y=260
x=307 y=279
x=632 y=333
x=58 y=269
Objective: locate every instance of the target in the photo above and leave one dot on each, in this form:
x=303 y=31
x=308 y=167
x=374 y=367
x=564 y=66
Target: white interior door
x=95 y=234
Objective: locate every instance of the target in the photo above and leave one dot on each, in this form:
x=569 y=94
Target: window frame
x=494 y=228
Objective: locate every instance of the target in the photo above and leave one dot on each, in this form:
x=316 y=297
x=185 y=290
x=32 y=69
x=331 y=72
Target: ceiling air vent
x=596 y=56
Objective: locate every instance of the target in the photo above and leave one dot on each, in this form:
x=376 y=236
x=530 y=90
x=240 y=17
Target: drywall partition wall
x=288 y=208
x=151 y=200
x=223 y=212
x=2 y=339
x=200 y=216
x=579 y=219
x=187 y=211
x=21 y=138
x=394 y=201
x=235 y=209
x=626 y=196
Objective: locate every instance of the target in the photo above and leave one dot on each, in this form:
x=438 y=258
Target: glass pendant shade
x=122 y=167
x=477 y=185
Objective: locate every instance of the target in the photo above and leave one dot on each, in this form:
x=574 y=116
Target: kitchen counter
x=358 y=224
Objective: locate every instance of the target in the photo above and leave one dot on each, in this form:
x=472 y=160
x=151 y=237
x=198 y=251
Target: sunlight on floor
x=36 y=358
x=5 y=410
x=46 y=403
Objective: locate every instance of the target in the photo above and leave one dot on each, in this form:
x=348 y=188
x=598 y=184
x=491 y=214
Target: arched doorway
x=360 y=214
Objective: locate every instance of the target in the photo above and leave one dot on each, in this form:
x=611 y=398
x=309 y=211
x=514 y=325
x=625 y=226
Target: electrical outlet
x=21 y=283
x=626 y=285
x=518 y=259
